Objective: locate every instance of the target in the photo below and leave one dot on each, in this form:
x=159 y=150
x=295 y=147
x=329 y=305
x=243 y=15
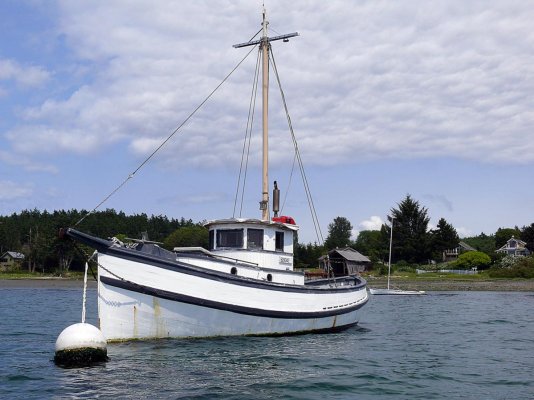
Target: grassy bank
x=450 y=282
x=73 y=275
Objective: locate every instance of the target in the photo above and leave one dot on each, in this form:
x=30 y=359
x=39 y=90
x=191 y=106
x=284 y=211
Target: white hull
x=130 y=315
x=137 y=300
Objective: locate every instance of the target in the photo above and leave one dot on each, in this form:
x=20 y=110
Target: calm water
x=468 y=345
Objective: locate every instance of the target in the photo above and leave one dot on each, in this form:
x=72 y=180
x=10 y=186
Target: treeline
x=34 y=233
x=413 y=243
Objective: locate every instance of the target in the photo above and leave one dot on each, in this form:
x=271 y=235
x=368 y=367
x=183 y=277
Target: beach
x=52 y=283
x=447 y=284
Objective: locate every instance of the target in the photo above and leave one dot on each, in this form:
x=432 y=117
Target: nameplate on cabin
x=285 y=260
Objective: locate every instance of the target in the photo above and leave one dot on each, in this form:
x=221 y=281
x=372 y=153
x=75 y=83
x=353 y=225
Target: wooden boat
x=243 y=284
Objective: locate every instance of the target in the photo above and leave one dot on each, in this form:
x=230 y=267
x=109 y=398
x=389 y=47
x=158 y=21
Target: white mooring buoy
x=81 y=344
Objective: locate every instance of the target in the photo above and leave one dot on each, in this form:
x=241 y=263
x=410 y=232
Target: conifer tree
x=411 y=241
x=444 y=237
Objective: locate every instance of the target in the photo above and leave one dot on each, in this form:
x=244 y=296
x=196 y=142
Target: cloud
x=364 y=81
x=29 y=76
x=25 y=162
x=12 y=191
x=440 y=199
x=374 y=223
x=464 y=232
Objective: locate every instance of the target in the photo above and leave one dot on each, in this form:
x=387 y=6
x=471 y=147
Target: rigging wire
x=131 y=175
x=250 y=40
x=313 y=212
x=288 y=184
x=250 y=137
x=248 y=133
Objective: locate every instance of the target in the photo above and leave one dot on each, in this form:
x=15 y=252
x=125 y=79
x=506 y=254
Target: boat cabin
x=268 y=244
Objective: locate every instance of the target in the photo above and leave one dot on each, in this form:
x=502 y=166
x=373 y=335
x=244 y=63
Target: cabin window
x=255 y=238
x=279 y=241
x=211 y=244
x=232 y=238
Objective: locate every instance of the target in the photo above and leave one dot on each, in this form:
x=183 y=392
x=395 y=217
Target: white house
x=514 y=247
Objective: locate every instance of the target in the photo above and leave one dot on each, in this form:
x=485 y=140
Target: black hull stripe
x=220 y=276
x=106 y=247
x=163 y=294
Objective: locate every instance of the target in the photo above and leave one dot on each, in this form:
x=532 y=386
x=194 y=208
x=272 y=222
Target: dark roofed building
x=452 y=254
x=11 y=260
x=345 y=261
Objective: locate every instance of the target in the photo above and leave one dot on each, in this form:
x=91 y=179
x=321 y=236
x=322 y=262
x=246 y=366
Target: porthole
x=269 y=277
x=233 y=271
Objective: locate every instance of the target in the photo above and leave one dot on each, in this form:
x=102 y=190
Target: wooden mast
x=265 y=46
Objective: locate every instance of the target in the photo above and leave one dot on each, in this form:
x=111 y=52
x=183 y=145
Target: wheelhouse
x=268 y=244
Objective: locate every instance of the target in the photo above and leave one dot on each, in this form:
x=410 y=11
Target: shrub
x=472 y=259
x=405 y=268
x=507 y=262
x=515 y=267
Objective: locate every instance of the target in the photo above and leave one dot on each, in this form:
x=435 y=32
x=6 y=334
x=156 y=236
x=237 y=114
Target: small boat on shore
x=244 y=283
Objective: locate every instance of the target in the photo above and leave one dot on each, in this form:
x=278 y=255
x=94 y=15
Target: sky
x=386 y=98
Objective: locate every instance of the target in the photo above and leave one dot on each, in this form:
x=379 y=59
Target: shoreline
x=429 y=285
x=45 y=283
x=444 y=285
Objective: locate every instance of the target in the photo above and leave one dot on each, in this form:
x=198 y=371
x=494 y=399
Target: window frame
x=238 y=243
x=279 y=239
x=254 y=246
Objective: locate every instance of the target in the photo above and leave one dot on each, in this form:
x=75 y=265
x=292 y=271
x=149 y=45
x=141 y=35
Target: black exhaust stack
x=276 y=199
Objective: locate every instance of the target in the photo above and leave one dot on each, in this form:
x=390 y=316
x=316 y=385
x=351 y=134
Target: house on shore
x=346 y=261
x=514 y=247
x=10 y=261
x=452 y=254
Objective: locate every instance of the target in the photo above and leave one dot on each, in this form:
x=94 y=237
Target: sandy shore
x=45 y=283
x=497 y=285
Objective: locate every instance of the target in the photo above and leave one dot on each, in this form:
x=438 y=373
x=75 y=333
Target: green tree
x=472 y=259
x=482 y=242
x=527 y=236
x=188 y=236
x=370 y=244
x=306 y=255
x=339 y=232
x=411 y=241
x=442 y=238
x=503 y=234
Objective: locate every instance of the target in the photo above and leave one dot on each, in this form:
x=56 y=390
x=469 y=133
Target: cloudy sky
x=387 y=98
